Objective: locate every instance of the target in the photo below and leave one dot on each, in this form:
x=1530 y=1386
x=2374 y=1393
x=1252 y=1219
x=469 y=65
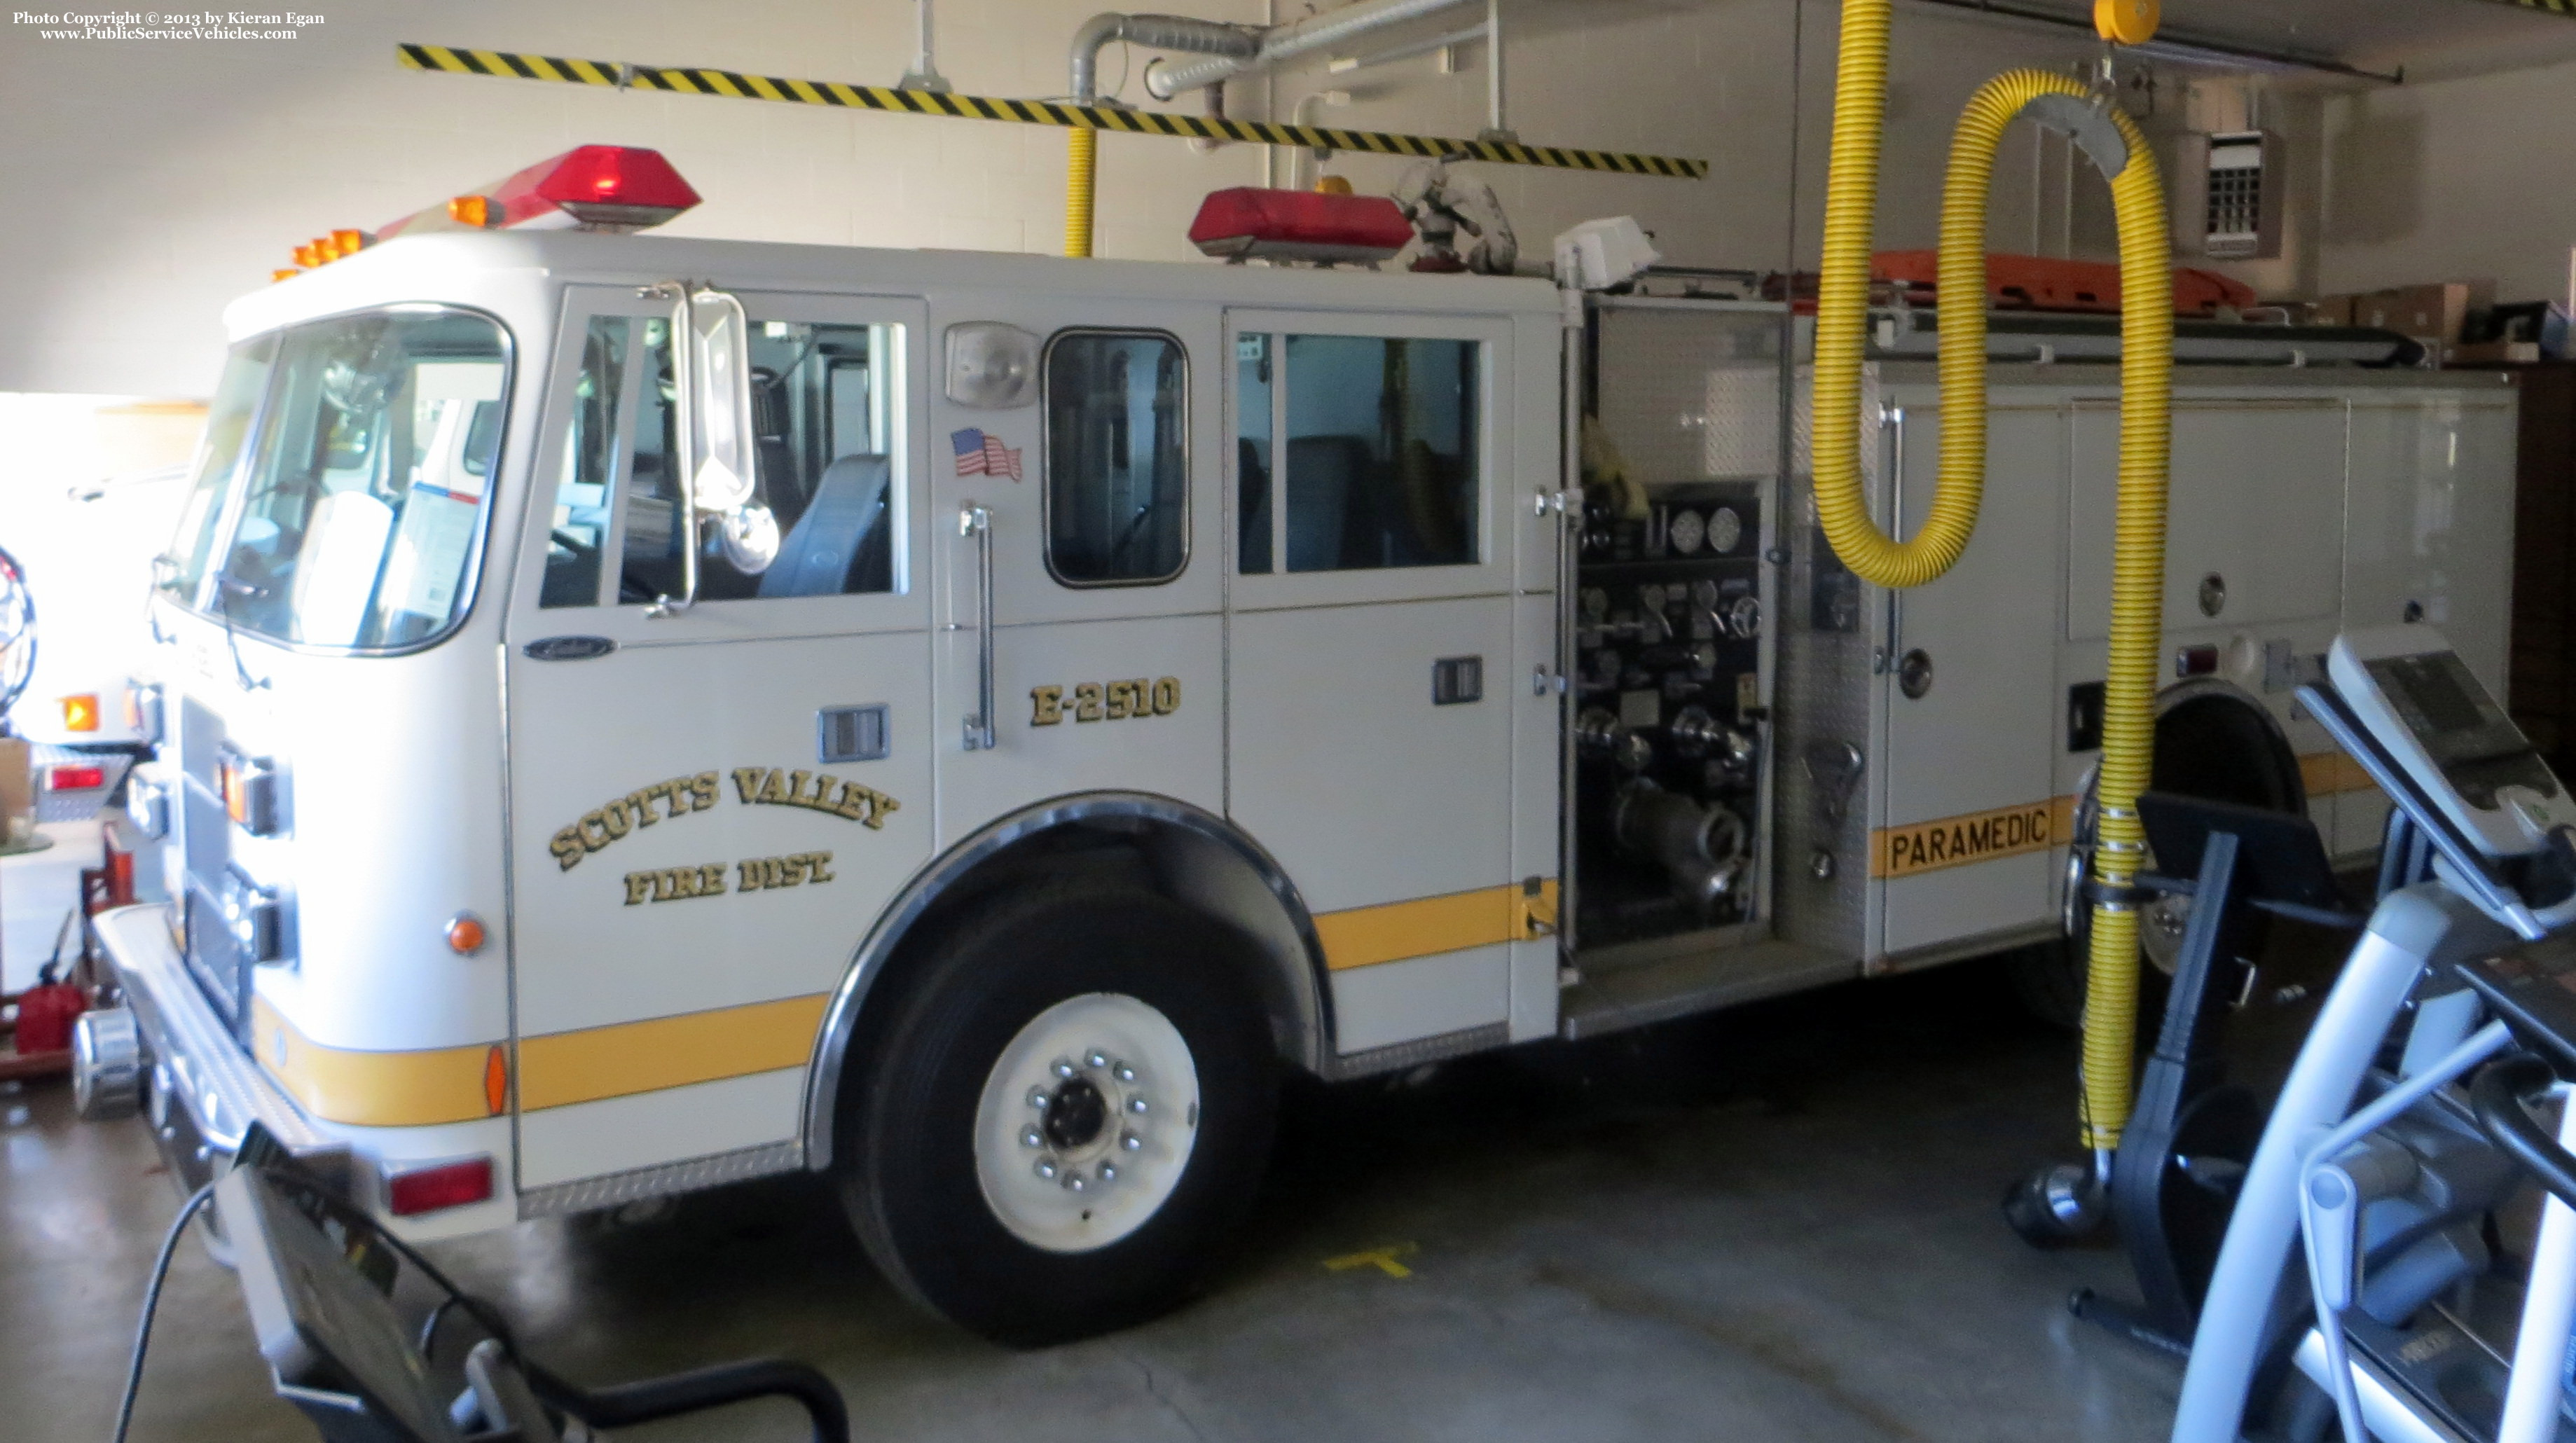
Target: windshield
x=183 y=566
x=358 y=513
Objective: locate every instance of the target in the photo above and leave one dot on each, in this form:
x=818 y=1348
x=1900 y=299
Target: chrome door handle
x=976 y=522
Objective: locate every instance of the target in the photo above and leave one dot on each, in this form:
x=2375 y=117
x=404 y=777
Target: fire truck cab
x=636 y=714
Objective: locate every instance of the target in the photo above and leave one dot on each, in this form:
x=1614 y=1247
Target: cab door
x=1090 y=502
x=1373 y=674
x=708 y=804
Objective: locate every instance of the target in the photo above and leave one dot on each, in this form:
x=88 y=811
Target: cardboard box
x=2493 y=353
x=2331 y=310
x=2433 y=313
x=17 y=793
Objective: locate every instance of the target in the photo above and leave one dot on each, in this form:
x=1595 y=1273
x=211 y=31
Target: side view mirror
x=721 y=454
x=719 y=475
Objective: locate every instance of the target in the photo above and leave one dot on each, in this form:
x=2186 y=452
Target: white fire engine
x=636 y=714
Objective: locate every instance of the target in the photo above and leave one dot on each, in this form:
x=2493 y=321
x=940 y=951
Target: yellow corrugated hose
x=1080 y=162
x=2146 y=386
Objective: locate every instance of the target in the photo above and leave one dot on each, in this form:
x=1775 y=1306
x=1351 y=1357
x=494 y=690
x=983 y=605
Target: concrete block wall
x=150 y=182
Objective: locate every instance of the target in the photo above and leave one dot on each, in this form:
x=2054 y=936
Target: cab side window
x=826 y=414
x=1117 y=458
x=1375 y=462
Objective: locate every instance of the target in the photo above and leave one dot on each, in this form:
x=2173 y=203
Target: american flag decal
x=981 y=455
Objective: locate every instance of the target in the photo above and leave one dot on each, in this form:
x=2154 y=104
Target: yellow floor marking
x=1383 y=1259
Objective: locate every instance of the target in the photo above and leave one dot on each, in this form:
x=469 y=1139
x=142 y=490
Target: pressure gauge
x=1689 y=530
x=1725 y=528
x=1596 y=604
x=1744 y=618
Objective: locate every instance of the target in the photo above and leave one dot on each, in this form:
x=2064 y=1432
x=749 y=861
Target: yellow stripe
x=370 y=1089
x=973 y=107
x=1427 y=926
x=2326 y=773
x=438 y=1085
x=562 y=1068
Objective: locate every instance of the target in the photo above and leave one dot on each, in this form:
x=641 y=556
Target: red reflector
x=1250 y=222
x=448 y=1185
x=2196 y=661
x=75 y=779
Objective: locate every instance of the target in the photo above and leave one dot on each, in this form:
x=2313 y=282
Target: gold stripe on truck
x=1428 y=926
x=689 y=80
x=420 y=1088
x=2326 y=773
x=372 y=1089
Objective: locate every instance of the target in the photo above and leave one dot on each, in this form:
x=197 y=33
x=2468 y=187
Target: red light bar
x=75 y=778
x=590 y=187
x=1248 y=223
x=429 y=1189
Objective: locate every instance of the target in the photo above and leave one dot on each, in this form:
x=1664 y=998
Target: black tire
x=2211 y=744
x=907 y=1148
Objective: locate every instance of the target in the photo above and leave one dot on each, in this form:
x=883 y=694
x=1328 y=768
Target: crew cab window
x=363 y=506
x=1374 y=460
x=826 y=417
x=1117 y=458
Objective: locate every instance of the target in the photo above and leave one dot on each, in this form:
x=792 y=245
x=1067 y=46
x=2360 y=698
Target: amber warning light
x=618 y=188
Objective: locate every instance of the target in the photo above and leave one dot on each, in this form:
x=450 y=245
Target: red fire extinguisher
x=46 y=1012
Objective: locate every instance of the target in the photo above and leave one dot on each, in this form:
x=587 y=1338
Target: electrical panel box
x=2227 y=195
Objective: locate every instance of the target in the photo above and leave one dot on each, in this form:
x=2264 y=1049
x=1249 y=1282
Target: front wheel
x=1066 y=1118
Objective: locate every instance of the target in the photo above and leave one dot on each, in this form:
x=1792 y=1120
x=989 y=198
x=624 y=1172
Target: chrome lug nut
x=1095 y=1058
x=1073 y=1181
x=1064 y=1068
x=1046 y=1168
x=1130 y=1141
x=1109 y=1172
x=1122 y=1072
x=1136 y=1105
x=1031 y=1137
x=1038 y=1098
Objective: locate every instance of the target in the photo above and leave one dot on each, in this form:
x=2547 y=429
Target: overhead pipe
x=1282 y=43
x=924 y=74
x=1082 y=145
x=1495 y=128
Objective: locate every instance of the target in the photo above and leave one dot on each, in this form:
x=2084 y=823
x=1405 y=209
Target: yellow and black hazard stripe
x=683 y=80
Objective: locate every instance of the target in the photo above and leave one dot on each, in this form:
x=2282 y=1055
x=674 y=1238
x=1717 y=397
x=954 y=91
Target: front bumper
x=202 y=1091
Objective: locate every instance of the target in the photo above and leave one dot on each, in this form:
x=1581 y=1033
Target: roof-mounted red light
x=1320 y=227
x=591 y=187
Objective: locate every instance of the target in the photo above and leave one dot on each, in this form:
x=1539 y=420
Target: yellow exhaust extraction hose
x=2114 y=143
x=1080 y=152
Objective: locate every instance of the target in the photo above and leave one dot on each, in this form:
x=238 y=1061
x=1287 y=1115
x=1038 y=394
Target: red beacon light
x=616 y=188
x=1314 y=226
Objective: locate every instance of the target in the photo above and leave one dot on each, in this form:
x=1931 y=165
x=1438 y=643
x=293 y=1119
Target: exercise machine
x=2359 y=1283
x=317 y=1278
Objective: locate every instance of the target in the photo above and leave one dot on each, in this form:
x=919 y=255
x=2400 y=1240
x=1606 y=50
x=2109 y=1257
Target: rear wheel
x=2213 y=742
x=1066 y=1118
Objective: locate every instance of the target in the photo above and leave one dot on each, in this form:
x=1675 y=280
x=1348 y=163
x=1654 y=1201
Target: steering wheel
x=17 y=632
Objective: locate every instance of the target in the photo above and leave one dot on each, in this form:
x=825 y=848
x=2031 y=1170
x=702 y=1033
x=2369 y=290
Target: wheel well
x=1192 y=858
x=2217 y=743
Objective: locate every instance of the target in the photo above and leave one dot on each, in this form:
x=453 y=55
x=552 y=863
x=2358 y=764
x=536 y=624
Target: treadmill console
x=2419 y=701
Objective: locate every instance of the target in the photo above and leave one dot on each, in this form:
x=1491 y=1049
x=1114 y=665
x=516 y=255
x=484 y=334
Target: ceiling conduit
x=1282 y=43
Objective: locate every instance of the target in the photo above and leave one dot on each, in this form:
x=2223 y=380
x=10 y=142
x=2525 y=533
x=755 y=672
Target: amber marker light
x=80 y=713
x=347 y=243
x=465 y=934
x=284 y=273
x=478 y=211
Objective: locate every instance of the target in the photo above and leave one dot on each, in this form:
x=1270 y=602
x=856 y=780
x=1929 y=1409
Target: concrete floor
x=1777 y=1224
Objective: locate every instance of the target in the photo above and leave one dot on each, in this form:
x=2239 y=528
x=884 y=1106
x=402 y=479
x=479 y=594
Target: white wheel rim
x=1054 y=1178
